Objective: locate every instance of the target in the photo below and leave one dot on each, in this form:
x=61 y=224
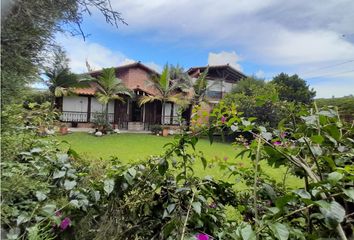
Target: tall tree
x=293 y=88
x=169 y=90
x=256 y=98
x=110 y=88
x=27 y=34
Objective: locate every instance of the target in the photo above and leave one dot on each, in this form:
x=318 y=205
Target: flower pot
x=64 y=130
x=165 y=132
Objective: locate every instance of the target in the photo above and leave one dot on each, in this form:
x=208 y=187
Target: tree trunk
x=107 y=120
x=163 y=114
x=52 y=102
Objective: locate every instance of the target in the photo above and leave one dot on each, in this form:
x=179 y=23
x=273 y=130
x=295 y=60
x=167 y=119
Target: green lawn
x=134 y=147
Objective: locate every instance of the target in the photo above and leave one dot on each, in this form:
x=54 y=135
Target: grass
x=131 y=148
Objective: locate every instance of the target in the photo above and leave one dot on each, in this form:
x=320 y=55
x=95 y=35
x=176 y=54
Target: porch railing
x=174 y=120
x=72 y=116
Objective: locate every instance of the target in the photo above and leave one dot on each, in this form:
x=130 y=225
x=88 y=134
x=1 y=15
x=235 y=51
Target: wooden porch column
x=89 y=109
x=144 y=114
x=171 y=115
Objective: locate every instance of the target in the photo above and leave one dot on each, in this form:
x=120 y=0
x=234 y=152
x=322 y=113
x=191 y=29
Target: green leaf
x=13 y=234
x=49 y=209
x=280 y=231
x=163 y=166
x=170 y=208
x=96 y=196
x=317 y=139
x=71 y=152
x=333 y=131
x=168 y=228
x=302 y=193
x=211 y=135
x=40 y=196
x=36 y=150
x=334 y=177
x=108 y=186
x=68 y=185
x=247 y=233
x=204 y=162
x=58 y=174
x=24 y=217
x=197 y=207
x=349 y=193
x=75 y=203
x=132 y=172
x=266 y=135
x=317 y=151
x=333 y=212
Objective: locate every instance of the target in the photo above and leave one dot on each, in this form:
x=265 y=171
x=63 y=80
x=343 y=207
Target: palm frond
x=179 y=99
x=60 y=91
x=164 y=80
x=146 y=99
x=102 y=98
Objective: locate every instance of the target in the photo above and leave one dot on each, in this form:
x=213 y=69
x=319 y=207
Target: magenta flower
x=223 y=119
x=212 y=205
x=202 y=236
x=65 y=223
x=277 y=143
x=225 y=158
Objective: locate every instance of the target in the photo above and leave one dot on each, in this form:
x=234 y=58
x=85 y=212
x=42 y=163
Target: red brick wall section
x=136 y=77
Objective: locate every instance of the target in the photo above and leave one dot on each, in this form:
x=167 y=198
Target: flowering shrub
x=48 y=193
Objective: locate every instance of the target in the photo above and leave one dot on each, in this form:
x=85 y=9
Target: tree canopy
x=293 y=88
x=27 y=35
x=256 y=98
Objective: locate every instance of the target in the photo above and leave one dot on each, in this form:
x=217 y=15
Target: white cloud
x=260 y=74
x=154 y=66
x=223 y=58
x=273 y=32
x=98 y=56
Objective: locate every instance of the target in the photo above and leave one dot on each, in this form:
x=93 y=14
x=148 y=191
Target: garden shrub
x=50 y=194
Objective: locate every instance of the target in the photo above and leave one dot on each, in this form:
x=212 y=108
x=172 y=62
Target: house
x=83 y=109
x=221 y=79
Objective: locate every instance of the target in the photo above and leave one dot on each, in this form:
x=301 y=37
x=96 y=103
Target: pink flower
x=212 y=205
x=202 y=236
x=283 y=135
x=225 y=158
x=223 y=119
x=277 y=143
x=58 y=213
x=65 y=223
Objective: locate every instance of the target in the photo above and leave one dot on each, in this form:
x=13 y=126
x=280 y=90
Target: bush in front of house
x=156 y=129
x=100 y=123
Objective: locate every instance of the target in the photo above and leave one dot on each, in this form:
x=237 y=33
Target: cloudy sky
x=314 y=39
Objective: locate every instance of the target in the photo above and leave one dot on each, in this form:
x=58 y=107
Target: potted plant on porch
x=63 y=129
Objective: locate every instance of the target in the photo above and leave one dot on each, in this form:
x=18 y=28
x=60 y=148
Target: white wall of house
x=227 y=87
x=75 y=104
x=96 y=106
x=215 y=85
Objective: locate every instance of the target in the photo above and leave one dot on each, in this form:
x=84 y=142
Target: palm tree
x=60 y=80
x=200 y=89
x=110 y=88
x=170 y=90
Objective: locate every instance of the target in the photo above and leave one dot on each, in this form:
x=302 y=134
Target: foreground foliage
x=48 y=194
